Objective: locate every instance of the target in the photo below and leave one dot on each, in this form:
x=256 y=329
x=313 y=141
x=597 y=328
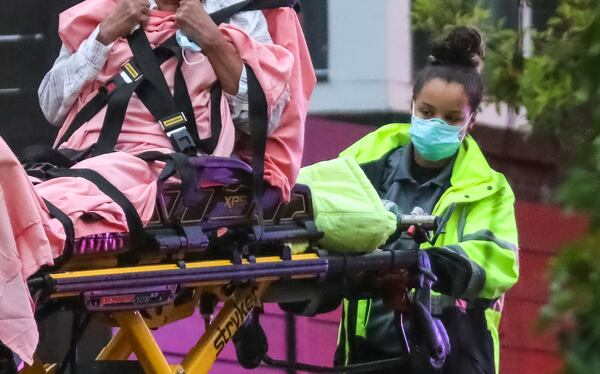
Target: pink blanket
x=30 y=238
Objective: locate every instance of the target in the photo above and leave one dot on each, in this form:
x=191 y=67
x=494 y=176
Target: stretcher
x=211 y=241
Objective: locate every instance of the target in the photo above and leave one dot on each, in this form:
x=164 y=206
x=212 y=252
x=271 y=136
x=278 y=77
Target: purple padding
x=271 y=197
x=222 y=170
x=100 y=243
x=213 y=162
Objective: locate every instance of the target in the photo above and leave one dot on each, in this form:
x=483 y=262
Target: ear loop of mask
x=465 y=127
x=153 y=5
x=192 y=63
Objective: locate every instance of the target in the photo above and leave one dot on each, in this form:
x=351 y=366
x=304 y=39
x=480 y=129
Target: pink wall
x=325 y=139
x=175 y=343
x=543 y=230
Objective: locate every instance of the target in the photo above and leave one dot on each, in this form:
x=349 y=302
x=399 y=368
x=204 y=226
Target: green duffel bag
x=347 y=207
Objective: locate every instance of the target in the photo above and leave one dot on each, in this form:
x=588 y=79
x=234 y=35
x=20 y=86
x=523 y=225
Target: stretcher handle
x=425 y=221
x=377 y=261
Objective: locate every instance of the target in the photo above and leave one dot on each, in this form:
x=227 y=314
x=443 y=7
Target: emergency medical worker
x=435 y=164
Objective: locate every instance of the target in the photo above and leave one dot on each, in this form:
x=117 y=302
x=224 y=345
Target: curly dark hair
x=456 y=58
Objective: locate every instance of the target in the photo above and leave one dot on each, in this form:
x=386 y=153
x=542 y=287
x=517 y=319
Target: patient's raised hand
x=123 y=19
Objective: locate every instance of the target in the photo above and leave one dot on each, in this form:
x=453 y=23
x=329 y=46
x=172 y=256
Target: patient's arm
x=255 y=25
x=194 y=21
x=63 y=83
x=71 y=72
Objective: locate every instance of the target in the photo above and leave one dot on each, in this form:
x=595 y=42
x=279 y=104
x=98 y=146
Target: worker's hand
x=196 y=24
x=123 y=19
x=393 y=289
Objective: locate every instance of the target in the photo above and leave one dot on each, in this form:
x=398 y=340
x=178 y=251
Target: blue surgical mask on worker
x=435 y=139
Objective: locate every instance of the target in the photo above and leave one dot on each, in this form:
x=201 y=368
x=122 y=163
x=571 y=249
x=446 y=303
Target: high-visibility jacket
x=481 y=232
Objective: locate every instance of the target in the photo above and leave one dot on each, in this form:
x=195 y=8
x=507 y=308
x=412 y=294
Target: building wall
x=370 y=62
x=543 y=230
x=28 y=45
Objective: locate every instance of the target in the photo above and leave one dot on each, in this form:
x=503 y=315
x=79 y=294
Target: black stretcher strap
x=225 y=14
x=114 y=118
x=209 y=144
x=157 y=97
x=64 y=219
x=86 y=113
x=99 y=101
x=167 y=104
x=259 y=122
x=149 y=65
x=45 y=154
x=183 y=102
x=180 y=163
x=134 y=222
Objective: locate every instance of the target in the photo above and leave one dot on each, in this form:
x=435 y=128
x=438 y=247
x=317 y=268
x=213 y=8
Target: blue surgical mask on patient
x=182 y=40
x=435 y=139
x=185 y=43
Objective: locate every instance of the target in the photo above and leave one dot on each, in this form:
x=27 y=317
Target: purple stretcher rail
x=327 y=264
x=185 y=276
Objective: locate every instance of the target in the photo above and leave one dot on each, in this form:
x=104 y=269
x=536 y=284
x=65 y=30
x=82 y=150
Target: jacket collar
x=472 y=177
x=404 y=169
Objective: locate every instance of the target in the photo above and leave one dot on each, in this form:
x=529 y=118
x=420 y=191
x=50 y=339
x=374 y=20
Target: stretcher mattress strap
x=86 y=114
x=114 y=118
x=134 y=222
x=180 y=163
x=225 y=14
x=259 y=122
x=64 y=219
x=99 y=101
x=182 y=98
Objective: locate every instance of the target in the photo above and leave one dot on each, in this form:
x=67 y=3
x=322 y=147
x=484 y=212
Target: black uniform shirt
x=408 y=185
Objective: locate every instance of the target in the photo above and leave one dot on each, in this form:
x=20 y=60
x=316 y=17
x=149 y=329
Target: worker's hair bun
x=462 y=47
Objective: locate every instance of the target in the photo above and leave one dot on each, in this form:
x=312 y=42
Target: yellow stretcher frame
x=135 y=337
